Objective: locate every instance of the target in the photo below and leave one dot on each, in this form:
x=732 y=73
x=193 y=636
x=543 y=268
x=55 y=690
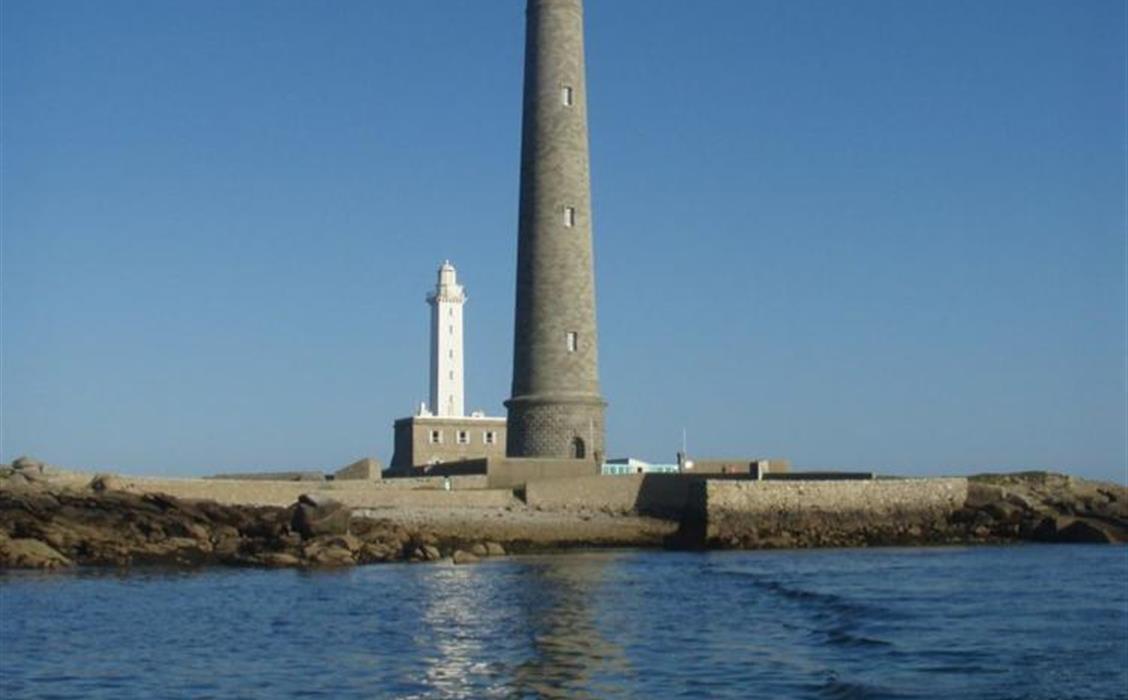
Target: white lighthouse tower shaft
x=447 y=397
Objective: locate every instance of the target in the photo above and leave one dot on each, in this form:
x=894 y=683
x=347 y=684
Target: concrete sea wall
x=728 y=507
x=663 y=495
x=466 y=492
x=738 y=511
x=511 y=472
x=436 y=483
x=742 y=512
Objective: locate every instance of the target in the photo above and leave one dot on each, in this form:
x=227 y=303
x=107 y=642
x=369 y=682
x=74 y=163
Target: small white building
x=630 y=465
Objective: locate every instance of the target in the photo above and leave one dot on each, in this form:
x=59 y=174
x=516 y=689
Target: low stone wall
x=366 y=469
x=358 y=494
x=511 y=473
x=663 y=495
x=435 y=483
x=742 y=510
x=271 y=476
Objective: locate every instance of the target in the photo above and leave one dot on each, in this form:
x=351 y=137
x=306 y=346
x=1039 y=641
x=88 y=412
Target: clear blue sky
x=875 y=234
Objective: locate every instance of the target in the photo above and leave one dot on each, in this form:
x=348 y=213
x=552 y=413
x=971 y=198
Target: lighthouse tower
x=555 y=409
x=442 y=432
x=447 y=397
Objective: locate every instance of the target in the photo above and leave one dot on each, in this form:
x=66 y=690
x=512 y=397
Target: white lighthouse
x=446 y=344
x=442 y=432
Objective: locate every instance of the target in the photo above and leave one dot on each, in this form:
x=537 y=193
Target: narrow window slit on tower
x=573 y=341
x=569 y=216
x=566 y=95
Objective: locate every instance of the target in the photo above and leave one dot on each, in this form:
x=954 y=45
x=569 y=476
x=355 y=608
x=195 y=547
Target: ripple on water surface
x=1017 y=622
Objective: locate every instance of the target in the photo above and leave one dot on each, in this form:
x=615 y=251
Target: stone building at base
x=440 y=432
x=425 y=440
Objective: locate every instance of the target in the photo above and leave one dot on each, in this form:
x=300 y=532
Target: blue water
x=1010 y=622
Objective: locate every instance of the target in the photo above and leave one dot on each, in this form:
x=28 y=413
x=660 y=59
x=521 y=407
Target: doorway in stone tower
x=578 y=450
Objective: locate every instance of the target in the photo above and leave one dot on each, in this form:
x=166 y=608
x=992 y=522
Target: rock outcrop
x=28 y=553
x=317 y=515
x=43 y=527
x=1043 y=507
x=27 y=465
x=464 y=557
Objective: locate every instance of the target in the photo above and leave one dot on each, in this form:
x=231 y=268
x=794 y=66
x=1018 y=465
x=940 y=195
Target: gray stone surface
x=361 y=470
x=884 y=497
x=463 y=557
x=437 y=483
x=24 y=479
x=414 y=450
x=106 y=482
x=549 y=428
x=556 y=409
x=516 y=473
x=735 y=508
x=649 y=494
x=271 y=476
x=27 y=464
x=314 y=515
x=22 y=553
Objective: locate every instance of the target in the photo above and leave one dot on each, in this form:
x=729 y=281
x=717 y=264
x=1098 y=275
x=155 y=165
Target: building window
x=452 y=374
x=578 y=450
x=567 y=95
x=450 y=354
x=450 y=329
x=436 y=437
x=573 y=341
x=463 y=437
x=569 y=216
x=491 y=437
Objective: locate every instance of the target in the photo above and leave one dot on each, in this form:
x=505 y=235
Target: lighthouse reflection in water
x=989 y=622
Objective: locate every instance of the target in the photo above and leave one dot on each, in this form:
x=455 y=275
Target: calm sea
x=1009 y=622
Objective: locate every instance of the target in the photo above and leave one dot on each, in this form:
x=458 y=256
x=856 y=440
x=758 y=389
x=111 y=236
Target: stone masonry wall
x=407 y=493
x=414 y=449
x=549 y=430
x=742 y=510
x=666 y=495
x=515 y=473
x=555 y=397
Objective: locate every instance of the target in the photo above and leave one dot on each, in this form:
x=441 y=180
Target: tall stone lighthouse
x=555 y=410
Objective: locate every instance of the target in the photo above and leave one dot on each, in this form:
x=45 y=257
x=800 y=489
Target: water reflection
x=458 y=605
x=718 y=625
x=571 y=656
x=524 y=627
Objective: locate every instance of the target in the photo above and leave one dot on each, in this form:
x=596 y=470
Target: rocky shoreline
x=44 y=528
x=49 y=525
